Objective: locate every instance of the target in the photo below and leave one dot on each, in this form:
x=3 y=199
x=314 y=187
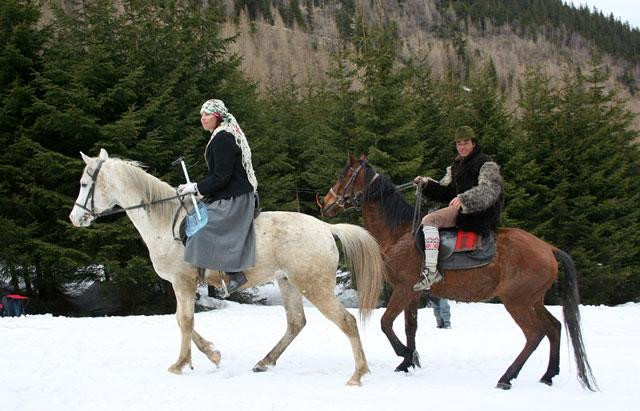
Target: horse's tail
x=364 y=259
x=571 y=314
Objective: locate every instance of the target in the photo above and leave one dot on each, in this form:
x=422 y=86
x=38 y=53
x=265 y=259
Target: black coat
x=464 y=176
x=226 y=175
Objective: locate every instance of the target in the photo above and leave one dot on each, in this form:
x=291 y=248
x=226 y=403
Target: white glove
x=189 y=188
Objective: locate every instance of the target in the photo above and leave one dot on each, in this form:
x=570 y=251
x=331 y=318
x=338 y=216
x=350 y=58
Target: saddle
x=460 y=250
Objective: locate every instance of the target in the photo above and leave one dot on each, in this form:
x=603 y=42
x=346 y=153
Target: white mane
x=149 y=187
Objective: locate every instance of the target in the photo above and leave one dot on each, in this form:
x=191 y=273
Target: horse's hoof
x=214 y=357
x=403 y=367
x=175 y=370
x=416 y=359
x=504 y=385
x=354 y=383
x=260 y=368
x=546 y=381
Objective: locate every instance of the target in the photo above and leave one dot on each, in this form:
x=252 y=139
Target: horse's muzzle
x=81 y=218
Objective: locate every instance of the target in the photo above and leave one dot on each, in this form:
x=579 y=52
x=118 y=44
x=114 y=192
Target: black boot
x=236 y=280
x=211 y=291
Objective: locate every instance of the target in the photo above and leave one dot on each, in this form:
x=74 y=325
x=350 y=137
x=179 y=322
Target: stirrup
x=236 y=280
x=429 y=277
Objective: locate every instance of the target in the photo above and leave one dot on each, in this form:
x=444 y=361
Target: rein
x=94 y=178
x=404 y=186
x=141 y=205
x=416 y=209
x=90 y=194
x=355 y=199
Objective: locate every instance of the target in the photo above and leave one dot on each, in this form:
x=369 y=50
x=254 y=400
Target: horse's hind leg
x=292 y=301
x=552 y=330
x=185 y=290
x=325 y=300
x=525 y=316
x=207 y=348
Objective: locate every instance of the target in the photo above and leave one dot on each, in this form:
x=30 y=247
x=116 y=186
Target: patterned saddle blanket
x=461 y=250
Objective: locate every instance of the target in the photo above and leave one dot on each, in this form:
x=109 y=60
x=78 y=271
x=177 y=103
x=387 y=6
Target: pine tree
x=273 y=160
x=580 y=146
x=130 y=80
x=385 y=125
x=30 y=202
x=529 y=173
x=431 y=120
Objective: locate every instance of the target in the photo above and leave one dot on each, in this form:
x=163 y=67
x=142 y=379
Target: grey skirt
x=228 y=242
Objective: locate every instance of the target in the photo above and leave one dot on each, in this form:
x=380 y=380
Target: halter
x=94 y=178
x=351 y=199
x=90 y=194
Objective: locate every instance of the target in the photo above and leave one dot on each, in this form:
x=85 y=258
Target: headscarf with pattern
x=229 y=123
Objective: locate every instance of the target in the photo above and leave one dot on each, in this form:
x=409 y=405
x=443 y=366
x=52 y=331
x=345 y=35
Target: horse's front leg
x=411 y=327
x=400 y=298
x=185 y=290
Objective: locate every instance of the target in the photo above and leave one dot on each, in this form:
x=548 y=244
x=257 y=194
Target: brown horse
x=523 y=270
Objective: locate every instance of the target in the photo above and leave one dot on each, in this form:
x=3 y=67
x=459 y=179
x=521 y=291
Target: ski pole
x=186 y=175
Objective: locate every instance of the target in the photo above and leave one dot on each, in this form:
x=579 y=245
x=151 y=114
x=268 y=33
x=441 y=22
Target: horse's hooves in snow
x=175 y=370
x=260 y=368
x=546 y=381
x=404 y=366
x=416 y=359
x=214 y=357
x=504 y=385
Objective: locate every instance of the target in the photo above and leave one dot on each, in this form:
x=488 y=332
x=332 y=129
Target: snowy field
x=120 y=363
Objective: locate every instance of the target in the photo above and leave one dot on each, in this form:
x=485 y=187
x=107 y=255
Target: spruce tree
x=385 y=123
x=130 y=80
x=581 y=149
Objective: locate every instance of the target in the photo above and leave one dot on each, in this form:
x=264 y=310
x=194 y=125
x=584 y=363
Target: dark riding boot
x=211 y=291
x=236 y=280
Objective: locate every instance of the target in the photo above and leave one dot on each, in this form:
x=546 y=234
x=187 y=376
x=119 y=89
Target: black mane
x=396 y=211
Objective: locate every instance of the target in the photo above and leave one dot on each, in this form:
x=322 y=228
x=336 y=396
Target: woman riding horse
x=227 y=243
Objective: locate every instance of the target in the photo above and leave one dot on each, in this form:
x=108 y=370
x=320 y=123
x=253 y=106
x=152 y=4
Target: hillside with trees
x=130 y=78
x=283 y=41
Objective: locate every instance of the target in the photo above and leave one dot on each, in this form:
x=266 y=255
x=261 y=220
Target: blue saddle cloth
x=449 y=259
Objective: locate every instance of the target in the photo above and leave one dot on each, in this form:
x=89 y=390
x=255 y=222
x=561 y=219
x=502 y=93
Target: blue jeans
x=441 y=311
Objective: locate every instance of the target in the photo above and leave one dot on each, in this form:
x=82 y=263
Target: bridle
x=90 y=211
x=350 y=199
x=354 y=200
x=90 y=194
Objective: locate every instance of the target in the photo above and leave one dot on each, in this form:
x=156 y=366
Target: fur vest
x=476 y=180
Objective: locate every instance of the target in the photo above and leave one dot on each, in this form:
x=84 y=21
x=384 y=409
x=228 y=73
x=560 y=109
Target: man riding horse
x=472 y=187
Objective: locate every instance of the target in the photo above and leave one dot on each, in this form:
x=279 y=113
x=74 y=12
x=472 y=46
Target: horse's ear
x=85 y=158
x=352 y=159
x=103 y=154
x=363 y=157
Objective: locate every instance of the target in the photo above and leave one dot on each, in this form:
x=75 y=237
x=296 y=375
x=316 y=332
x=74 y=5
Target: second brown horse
x=524 y=269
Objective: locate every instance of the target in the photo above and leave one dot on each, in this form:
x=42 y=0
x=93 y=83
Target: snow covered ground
x=120 y=363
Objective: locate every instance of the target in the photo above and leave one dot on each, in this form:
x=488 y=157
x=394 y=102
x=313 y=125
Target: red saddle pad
x=466 y=241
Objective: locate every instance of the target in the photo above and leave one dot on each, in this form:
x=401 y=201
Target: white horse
x=297 y=250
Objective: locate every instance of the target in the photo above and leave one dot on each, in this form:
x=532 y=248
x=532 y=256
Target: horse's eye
x=83 y=185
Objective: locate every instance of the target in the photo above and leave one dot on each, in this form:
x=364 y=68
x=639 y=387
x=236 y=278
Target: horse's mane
x=396 y=211
x=150 y=187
